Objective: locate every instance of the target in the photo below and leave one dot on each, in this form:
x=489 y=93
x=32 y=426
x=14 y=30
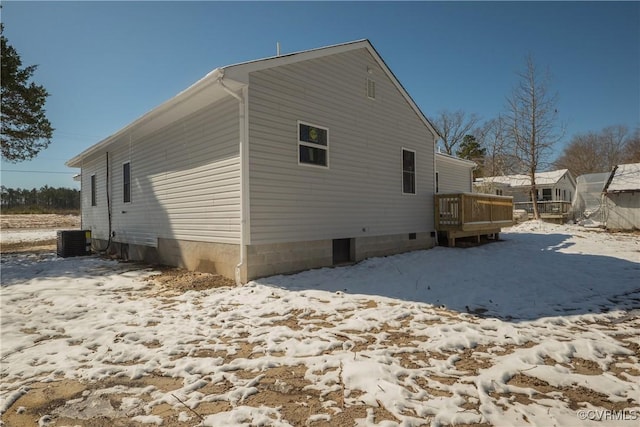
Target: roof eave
x=180 y=98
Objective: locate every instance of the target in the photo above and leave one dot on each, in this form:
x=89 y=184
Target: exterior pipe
x=435 y=173
x=243 y=173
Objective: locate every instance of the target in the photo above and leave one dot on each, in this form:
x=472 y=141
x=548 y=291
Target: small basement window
x=343 y=251
x=313 y=145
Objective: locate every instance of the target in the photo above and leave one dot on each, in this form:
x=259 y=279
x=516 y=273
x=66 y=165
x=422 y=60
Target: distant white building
x=553 y=186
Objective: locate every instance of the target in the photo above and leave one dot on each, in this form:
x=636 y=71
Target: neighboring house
x=453 y=174
x=271 y=166
x=622 y=198
x=556 y=186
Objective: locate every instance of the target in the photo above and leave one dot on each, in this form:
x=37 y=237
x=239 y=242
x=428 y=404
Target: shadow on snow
x=23 y=267
x=523 y=277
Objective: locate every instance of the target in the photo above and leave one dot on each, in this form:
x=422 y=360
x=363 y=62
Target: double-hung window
x=126 y=182
x=408 y=171
x=94 y=201
x=313 y=145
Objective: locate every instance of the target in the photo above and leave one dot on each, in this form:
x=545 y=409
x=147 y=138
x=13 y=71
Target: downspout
x=435 y=173
x=243 y=173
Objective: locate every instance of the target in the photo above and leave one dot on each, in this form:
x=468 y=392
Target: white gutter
x=244 y=163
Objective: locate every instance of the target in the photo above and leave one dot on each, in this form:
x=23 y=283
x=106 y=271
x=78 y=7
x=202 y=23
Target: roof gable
x=624 y=178
x=240 y=72
x=209 y=89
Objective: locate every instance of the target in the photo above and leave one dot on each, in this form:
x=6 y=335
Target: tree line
x=44 y=200
x=488 y=144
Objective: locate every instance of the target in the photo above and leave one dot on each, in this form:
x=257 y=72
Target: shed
x=588 y=203
x=271 y=166
x=622 y=198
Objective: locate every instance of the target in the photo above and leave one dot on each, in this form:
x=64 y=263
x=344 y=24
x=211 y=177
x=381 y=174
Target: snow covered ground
x=22 y=236
x=538 y=329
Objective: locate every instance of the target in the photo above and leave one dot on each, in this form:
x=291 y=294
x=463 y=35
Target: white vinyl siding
x=184 y=183
x=564 y=189
x=453 y=176
x=360 y=195
x=95 y=218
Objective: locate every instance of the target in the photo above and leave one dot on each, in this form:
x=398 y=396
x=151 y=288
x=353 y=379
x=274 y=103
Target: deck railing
x=472 y=211
x=547 y=208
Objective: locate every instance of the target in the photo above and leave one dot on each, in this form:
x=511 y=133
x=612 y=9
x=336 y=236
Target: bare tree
x=499 y=158
x=453 y=126
x=600 y=151
x=532 y=119
x=581 y=155
x=632 y=150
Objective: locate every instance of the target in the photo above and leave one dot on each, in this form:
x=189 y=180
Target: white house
x=553 y=186
x=622 y=198
x=453 y=174
x=271 y=166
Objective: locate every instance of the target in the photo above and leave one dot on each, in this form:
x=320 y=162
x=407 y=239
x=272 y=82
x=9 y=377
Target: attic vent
x=371 y=89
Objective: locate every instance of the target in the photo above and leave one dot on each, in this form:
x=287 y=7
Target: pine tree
x=471 y=149
x=25 y=128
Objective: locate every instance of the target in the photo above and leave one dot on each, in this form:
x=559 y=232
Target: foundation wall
x=220 y=258
x=281 y=258
x=267 y=259
x=376 y=246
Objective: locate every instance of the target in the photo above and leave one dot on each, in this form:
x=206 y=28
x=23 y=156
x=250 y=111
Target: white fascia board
x=455 y=160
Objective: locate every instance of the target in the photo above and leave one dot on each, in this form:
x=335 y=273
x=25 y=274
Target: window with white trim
x=94 y=201
x=408 y=171
x=126 y=182
x=313 y=145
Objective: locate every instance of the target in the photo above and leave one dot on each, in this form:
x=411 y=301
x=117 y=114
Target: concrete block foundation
x=265 y=259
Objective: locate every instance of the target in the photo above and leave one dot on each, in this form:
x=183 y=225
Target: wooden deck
x=556 y=212
x=472 y=214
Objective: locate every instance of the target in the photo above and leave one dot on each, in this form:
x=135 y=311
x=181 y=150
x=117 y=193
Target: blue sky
x=107 y=63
